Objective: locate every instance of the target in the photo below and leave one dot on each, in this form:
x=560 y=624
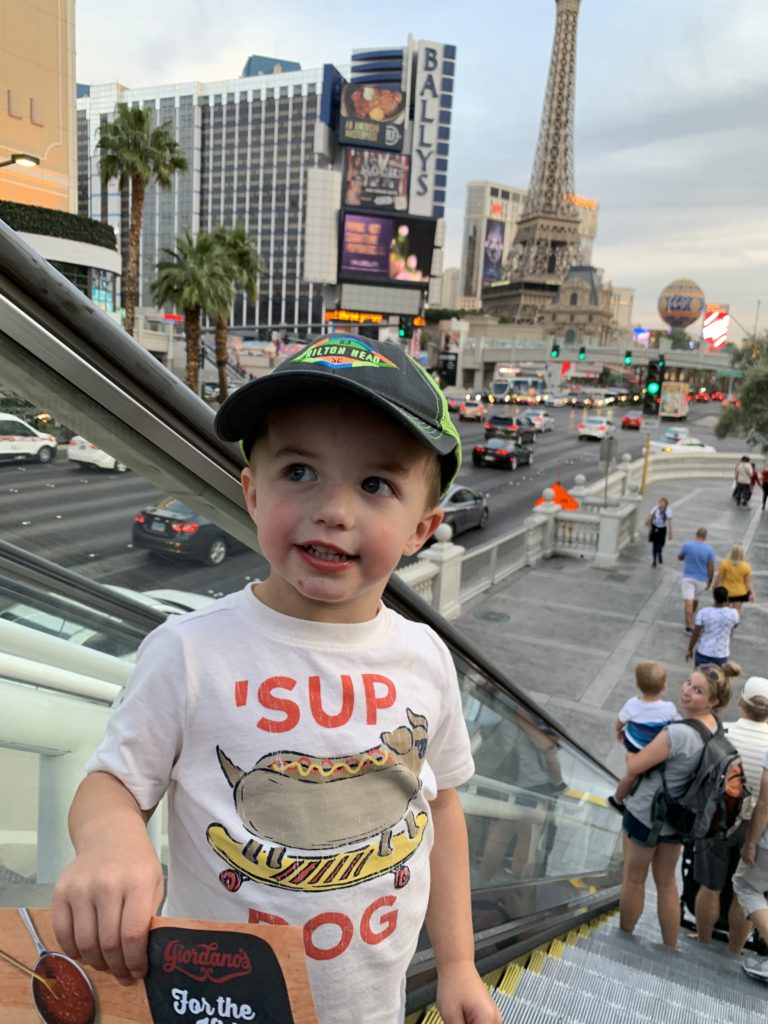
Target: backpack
x=711 y=803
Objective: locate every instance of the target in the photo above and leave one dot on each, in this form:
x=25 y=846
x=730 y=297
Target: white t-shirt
x=716 y=628
x=660 y=517
x=763 y=840
x=751 y=740
x=648 y=712
x=252 y=721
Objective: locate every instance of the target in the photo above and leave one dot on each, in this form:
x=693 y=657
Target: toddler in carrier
x=641 y=719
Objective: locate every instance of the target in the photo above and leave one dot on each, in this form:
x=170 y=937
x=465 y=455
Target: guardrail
x=447 y=575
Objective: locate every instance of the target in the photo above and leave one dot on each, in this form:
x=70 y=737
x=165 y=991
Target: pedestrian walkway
x=570 y=635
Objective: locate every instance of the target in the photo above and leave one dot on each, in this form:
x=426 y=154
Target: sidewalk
x=570 y=635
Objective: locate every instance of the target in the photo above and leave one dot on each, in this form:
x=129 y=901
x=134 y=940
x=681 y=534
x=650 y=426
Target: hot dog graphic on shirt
x=355 y=803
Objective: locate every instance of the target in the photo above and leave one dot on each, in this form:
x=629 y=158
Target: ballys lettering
x=376 y=925
x=373 y=691
x=221 y=1011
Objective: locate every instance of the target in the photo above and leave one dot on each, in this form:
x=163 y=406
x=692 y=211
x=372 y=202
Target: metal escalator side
x=544 y=845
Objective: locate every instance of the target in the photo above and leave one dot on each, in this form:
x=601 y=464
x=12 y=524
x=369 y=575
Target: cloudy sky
x=671 y=126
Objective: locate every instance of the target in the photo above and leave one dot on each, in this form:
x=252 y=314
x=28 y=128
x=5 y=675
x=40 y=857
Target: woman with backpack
x=678 y=749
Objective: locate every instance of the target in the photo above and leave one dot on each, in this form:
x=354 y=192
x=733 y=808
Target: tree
x=679 y=340
x=193 y=278
x=750 y=418
x=136 y=154
x=241 y=265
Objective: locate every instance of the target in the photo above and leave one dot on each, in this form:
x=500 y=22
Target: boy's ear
x=249 y=490
x=424 y=530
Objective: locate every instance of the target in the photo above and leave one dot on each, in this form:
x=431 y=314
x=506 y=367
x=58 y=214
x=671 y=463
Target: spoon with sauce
x=50 y=985
x=72 y=1000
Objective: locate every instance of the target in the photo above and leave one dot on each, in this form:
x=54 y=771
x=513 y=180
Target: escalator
x=545 y=848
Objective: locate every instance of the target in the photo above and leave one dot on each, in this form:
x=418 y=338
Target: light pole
x=22 y=159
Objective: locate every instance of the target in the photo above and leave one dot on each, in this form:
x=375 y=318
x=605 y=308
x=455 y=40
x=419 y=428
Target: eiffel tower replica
x=546 y=243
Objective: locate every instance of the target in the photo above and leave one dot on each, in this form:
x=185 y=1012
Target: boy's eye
x=299 y=473
x=375 y=485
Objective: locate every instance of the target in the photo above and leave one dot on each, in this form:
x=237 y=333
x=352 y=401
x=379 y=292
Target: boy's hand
x=462 y=998
x=749 y=853
x=103 y=903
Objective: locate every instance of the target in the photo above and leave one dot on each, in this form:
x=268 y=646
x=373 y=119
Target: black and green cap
x=378 y=371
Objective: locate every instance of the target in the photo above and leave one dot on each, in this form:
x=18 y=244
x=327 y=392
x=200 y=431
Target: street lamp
x=22 y=159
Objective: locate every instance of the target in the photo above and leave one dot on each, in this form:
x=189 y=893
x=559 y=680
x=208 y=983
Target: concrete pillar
x=624 y=468
x=579 y=487
x=608 y=540
x=550 y=510
x=447 y=584
x=634 y=497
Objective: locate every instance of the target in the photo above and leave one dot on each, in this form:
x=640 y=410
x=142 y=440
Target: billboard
x=375 y=179
x=432 y=110
x=493 y=251
x=717 y=320
x=372 y=115
x=386 y=250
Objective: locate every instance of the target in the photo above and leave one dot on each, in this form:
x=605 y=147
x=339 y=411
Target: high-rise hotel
x=248 y=143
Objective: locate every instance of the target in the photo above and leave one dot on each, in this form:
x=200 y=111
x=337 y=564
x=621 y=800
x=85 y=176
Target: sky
x=671 y=118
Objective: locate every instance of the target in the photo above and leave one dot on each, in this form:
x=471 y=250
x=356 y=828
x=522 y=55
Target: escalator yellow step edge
x=537 y=961
x=571 y=938
x=512 y=978
x=556 y=948
x=494 y=978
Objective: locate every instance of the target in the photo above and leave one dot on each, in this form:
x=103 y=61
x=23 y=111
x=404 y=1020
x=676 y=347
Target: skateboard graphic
x=315 y=872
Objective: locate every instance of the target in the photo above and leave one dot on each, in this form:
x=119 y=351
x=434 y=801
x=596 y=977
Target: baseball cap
x=755 y=690
x=378 y=371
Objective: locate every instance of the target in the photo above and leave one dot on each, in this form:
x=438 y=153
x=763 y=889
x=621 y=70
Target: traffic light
x=555 y=350
x=653 y=385
x=628 y=357
x=582 y=353
x=660 y=362
x=405 y=328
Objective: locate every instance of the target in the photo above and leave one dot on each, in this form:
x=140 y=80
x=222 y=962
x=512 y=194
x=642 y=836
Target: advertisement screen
x=385 y=250
x=376 y=179
x=493 y=251
x=717 y=321
x=372 y=115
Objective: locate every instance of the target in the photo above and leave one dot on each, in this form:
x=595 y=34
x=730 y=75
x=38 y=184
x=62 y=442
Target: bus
x=522 y=390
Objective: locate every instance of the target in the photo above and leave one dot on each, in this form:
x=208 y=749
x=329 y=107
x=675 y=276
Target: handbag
x=649 y=519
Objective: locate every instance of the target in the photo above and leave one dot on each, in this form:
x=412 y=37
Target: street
x=82 y=519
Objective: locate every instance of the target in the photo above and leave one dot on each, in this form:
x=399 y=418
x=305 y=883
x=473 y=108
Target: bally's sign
x=429 y=114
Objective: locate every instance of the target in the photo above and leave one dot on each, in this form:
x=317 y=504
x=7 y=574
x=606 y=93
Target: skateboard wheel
x=402 y=877
x=231 y=880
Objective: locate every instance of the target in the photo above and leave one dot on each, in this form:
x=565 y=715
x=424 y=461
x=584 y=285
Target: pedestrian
x=735 y=574
x=641 y=719
x=742 y=474
x=764 y=481
x=710 y=640
x=715 y=860
x=679 y=751
x=659 y=522
x=262 y=711
x=698 y=558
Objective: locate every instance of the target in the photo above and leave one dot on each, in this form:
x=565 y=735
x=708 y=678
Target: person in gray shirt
x=707 y=689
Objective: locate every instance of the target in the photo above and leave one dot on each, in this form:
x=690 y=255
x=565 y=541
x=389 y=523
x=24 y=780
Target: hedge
x=37 y=220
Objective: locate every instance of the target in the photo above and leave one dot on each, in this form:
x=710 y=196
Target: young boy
x=641 y=719
x=303 y=730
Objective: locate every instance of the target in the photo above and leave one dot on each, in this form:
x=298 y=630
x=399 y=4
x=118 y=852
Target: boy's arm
x=462 y=998
x=757 y=823
x=692 y=641
x=103 y=902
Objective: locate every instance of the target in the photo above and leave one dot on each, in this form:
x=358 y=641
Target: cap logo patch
x=341 y=353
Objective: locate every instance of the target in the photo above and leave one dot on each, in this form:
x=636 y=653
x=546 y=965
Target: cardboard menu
x=200 y=972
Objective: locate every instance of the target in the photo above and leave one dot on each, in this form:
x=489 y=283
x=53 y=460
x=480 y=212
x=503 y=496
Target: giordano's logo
x=343 y=352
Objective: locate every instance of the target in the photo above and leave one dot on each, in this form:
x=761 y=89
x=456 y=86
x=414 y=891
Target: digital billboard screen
x=372 y=115
x=493 y=251
x=376 y=179
x=386 y=250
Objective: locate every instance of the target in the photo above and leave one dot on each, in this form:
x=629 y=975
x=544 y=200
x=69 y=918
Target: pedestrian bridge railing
x=608 y=520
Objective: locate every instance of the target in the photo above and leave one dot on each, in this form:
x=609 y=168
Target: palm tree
x=193 y=278
x=136 y=153
x=242 y=266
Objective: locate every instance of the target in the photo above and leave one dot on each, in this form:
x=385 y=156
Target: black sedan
x=173 y=528
x=496 y=451
x=511 y=428
x=464 y=508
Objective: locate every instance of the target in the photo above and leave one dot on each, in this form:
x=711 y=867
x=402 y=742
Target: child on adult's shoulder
x=349 y=446
x=641 y=719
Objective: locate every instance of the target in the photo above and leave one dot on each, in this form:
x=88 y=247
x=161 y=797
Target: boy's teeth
x=330 y=556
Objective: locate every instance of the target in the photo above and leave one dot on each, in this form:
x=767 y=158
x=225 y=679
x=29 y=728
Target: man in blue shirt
x=698 y=560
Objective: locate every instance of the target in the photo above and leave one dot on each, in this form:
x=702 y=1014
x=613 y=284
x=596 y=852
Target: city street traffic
x=83 y=518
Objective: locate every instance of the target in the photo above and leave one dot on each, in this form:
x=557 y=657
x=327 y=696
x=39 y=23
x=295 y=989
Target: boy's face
x=339 y=492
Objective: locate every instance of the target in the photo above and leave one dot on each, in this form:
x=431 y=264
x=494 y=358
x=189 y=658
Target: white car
x=19 y=440
x=685 y=446
x=555 y=401
x=596 y=427
x=83 y=453
x=542 y=421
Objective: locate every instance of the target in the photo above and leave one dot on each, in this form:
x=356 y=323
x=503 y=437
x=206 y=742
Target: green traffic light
x=653 y=388
x=555 y=353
